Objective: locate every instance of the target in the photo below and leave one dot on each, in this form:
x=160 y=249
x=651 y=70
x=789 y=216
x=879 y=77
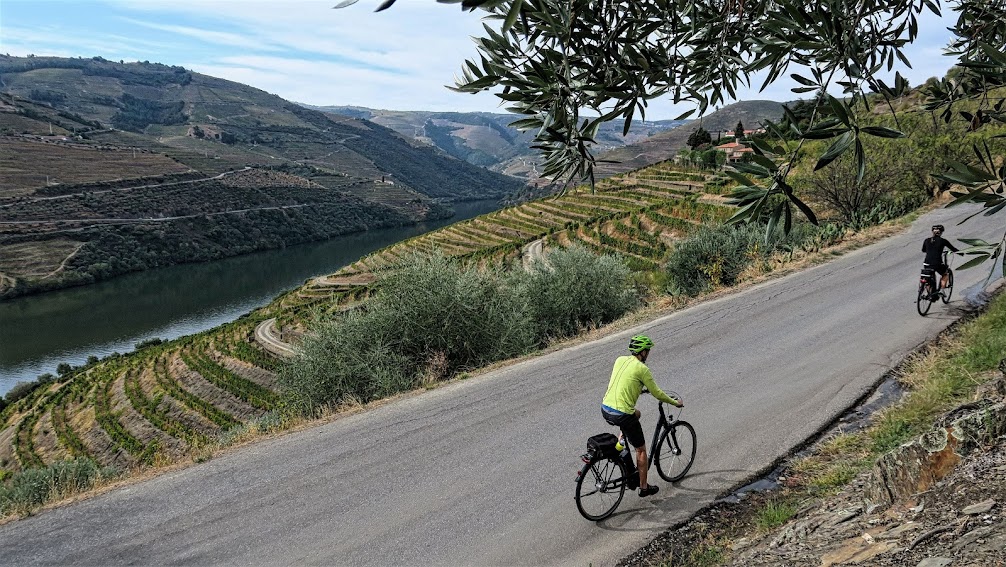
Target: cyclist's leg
x=942 y=270
x=633 y=431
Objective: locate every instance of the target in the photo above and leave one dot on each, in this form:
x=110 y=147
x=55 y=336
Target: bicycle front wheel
x=676 y=451
x=923 y=303
x=950 y=286
x=599 y=488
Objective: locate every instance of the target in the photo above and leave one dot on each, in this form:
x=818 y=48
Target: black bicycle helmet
x=938 y=227
x=639 y=343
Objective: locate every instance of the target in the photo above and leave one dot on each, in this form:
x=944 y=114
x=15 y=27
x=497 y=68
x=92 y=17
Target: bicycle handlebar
x=669 y=393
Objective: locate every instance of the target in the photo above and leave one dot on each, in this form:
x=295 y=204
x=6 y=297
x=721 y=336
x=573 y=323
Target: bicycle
x=601 y=481
x=927 y=286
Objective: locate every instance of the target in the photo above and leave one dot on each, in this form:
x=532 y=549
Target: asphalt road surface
x=481 y=472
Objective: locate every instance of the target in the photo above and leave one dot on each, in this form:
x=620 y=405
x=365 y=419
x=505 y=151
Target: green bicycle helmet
x=639 y=343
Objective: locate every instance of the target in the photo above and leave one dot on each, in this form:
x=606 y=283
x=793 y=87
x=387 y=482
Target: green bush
x=438 y=305
x=34 y=487
x=20 y=390
x=716 y=256
x=574 y=288
x=434 y=317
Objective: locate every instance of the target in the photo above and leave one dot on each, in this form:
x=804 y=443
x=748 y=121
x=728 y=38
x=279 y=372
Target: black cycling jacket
x=933 y=247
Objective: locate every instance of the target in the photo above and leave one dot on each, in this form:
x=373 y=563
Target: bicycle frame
x=662 y=423
x=929 y=273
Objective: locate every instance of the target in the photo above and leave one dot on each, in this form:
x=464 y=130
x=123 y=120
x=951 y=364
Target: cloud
x=308 y=52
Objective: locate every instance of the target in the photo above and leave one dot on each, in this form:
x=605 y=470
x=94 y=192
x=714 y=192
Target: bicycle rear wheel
x=599 y=488
x=950 y=286
x=676 y=451
x=923 y=303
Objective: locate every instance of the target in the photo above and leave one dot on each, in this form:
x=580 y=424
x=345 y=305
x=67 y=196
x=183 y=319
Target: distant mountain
x=486 y=139
x=87 y=142
x=665 y=145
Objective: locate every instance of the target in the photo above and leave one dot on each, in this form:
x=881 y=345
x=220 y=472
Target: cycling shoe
x=648 y=491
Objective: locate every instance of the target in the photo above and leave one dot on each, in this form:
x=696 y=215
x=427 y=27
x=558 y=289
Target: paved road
x=481 y=472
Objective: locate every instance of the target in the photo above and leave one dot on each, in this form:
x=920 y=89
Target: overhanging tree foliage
x=569 y=65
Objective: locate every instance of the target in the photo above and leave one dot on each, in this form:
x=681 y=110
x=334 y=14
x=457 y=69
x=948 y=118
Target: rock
x=921 y=464
x=992 y=390
x=995 y=544
x=798 y=531
x=897 y=532
x=856 y=550
x=740 y=544
x=979 y=508
x=935 y=562
x=912 y=468
x=844 y=515
x=971 y=537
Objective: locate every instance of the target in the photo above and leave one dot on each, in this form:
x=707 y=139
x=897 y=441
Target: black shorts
x=940 y=269
x=630 y=426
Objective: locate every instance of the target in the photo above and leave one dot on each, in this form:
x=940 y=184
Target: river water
x=39 y=332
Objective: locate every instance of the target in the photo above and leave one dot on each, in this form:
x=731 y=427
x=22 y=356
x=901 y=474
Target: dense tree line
x=141 y=73
x=115 y=250
x=138 y=113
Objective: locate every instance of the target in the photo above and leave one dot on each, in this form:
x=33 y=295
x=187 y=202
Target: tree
x=569 y=65
x=838 y=187
x=699 y=137
x=739 y=130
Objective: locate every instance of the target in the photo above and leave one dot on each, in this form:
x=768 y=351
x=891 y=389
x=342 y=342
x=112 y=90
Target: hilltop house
x=735 y=151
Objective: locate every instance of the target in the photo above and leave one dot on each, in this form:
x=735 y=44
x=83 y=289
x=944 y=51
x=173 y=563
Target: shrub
x=33 y=487
x=716 y=256
x=431 y=307
x=472 y=316
x=20 y=390
x=434 y=317
x=148 y=343
x=573 y=288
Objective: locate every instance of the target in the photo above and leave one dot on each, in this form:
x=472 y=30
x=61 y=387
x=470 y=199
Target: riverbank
x=42 y=331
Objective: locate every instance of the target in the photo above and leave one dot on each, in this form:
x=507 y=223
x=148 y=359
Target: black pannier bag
x=603 y=444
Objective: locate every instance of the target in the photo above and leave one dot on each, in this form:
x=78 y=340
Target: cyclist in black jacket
x=933 y=247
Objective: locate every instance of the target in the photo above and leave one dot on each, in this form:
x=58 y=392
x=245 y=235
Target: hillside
x=90 y=147
x=168 y=400
x=665 y=145
x=486 y=139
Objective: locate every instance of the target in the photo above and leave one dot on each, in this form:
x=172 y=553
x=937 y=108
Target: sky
x=308 y=52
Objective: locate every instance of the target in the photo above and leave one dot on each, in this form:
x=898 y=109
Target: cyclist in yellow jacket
x=628 y=378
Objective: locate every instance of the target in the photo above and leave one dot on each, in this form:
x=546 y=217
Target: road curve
x=265 y=335
x=480 y=472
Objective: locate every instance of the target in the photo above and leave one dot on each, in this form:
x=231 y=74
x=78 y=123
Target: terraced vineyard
x=156 y=405
x=167 y=401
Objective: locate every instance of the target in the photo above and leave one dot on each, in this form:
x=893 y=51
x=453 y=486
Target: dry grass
x=38 y=259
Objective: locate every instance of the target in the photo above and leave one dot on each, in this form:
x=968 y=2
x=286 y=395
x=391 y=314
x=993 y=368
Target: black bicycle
x=603 y=478
x=928 y=287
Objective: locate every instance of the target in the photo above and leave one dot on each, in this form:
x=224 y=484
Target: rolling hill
x=665 y=145
x=113 y=167
x=486 y=139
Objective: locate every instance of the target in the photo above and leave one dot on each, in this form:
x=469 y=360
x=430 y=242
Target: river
x=39 y=332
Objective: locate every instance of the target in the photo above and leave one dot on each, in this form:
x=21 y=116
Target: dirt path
x=266 y=335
